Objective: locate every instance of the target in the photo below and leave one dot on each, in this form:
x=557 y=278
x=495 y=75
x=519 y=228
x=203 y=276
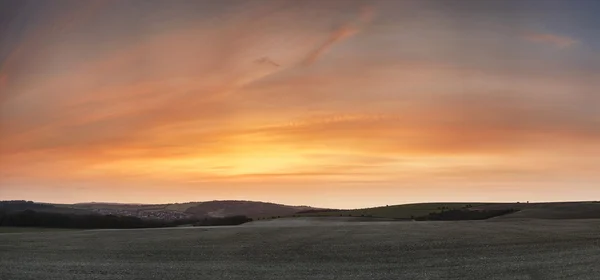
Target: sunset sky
x=316 y=102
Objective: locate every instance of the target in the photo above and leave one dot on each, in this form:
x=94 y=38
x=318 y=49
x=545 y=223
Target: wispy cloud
x=67 y=21
x=559 y=41
x=345 y=31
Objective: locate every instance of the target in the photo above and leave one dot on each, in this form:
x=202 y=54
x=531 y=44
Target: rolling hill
x=21 y=205
x=548 y=210
x=248 y=208
x=402 y=211
x=262 y=210
x=556 y=210
x=171 y=211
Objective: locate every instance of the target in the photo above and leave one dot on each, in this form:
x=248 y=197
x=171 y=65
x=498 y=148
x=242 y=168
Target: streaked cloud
x=559 y=41
x=343 y=32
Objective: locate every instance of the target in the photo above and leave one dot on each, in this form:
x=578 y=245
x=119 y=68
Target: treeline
x=224 y=221
x=462 y=214
x=20 y=205
x=310 y=211
x=31 y=218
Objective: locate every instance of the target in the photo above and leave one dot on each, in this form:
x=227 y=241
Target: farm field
x=313 y=248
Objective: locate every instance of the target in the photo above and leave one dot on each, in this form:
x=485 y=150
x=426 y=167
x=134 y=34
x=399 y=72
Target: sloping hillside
x=181 y=207
x=559 y=210
x=119 y=206
x=550 y=210
x=21 y=205
x=251 y=209
x=403 y=211
x=223 y=208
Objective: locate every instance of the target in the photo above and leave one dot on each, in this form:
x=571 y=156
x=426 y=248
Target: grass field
x=312 y=248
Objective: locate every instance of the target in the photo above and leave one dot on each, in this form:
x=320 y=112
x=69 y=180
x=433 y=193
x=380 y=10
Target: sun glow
x=258 y=162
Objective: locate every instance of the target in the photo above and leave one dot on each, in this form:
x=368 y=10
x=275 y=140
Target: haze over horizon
x=341 y=104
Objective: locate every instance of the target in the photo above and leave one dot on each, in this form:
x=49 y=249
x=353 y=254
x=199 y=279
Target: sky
x=343 y=104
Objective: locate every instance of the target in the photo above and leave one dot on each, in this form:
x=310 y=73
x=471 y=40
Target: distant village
x=145 y=214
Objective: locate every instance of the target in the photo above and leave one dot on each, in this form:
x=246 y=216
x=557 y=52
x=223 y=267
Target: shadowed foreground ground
x=301 y=249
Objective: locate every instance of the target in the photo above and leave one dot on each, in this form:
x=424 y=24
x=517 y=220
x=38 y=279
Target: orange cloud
x=173 y=90
x=140 y=130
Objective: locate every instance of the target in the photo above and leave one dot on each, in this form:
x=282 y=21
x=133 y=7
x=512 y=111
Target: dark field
x=313 y=248
x=28 y=229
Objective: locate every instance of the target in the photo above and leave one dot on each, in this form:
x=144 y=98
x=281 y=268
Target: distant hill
x=251 y=209
x=21 y=205
x=255 y=209
x=171 y=211
x=181 y=206
x=402 y=211
x=555 y=210
x=119 y=206
x=549 y=210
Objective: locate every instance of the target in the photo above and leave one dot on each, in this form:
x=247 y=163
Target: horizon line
x=257 y=201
